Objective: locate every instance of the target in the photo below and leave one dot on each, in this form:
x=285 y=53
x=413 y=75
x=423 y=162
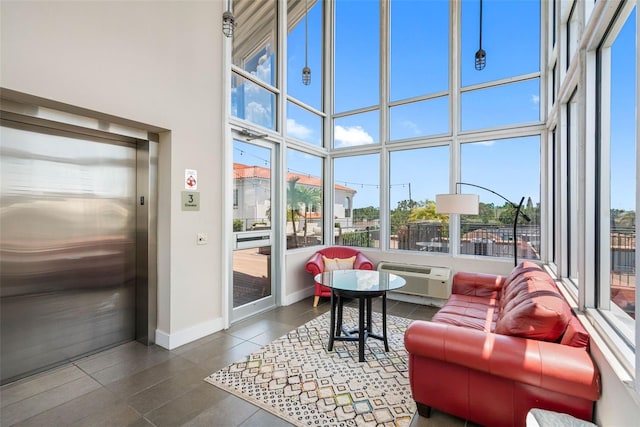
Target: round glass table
x=363 y=285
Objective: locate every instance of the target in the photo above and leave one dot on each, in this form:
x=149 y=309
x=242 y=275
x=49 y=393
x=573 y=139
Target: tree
x=369 y=212
x=309 y=197
x=293 y=204
x=621 y=218
x=400 y=215
x=427 y=212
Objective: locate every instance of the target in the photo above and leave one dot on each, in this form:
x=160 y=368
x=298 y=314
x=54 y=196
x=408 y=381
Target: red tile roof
x=241 y=171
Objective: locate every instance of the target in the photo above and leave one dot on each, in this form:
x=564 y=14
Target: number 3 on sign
x=190 y=201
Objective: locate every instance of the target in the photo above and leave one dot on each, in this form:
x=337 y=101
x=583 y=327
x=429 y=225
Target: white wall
x=158 y=63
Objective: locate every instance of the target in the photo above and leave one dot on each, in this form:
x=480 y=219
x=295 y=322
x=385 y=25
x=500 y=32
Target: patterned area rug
x=297 y=379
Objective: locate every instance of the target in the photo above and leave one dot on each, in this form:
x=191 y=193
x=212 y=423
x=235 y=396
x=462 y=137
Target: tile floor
x=136 y=385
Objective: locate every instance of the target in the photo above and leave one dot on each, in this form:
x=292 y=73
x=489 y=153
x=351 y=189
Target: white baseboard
x=175 y=340
x=299 y=296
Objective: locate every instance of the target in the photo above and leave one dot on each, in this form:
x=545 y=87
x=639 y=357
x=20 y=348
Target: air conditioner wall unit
x=422 y=280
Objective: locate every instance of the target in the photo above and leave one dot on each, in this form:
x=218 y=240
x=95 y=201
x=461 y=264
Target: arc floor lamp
x=468 y=204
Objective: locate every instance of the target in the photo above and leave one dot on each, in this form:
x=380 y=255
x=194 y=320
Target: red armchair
x=315 y=265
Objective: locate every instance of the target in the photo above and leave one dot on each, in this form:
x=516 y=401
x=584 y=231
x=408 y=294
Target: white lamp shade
x=463 y=204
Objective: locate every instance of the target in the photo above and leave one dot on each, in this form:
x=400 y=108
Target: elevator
x=77 y=238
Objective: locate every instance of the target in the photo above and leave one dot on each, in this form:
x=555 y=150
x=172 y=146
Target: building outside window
x=305 y=196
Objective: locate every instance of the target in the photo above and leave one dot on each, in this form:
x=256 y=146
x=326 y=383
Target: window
x=297 y=52
x=419 y=48
x=303 y=125
x=255 y=41
x=511 y=168
x=572 y=188
x=553 y=6
x=356 y=55
x=618 y=180
x=554 y=85
x=304 y=199
x=554 y=200
x=254 y=62
x=251 y=186
x=357 y=201
x=507 y=91
x=510 y=37
x=356 y=129
x=573 y=35
x=250 y=101
x=416 y=176
x=501 y=105
x=420 y=119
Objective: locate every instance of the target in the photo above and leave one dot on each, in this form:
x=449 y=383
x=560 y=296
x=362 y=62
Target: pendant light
x=228 y=21
x=306 y=71
x=481 y=55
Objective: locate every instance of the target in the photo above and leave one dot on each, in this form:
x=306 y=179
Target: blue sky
x=623 y=116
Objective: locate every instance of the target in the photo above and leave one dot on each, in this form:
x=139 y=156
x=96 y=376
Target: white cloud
x=351 y=135
x=535 y=99
x=257 y=113
x=412 y=127
x=486 y=143
x=298 y=130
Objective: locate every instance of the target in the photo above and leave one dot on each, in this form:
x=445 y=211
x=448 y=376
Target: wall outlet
x=202 y=238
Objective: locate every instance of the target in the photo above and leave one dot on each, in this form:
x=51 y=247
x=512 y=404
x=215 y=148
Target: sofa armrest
x=362 y=262
x=477 y=284
x=315 y=265
x=551 y=366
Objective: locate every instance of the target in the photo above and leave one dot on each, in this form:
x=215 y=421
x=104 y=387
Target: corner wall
x=153 y=63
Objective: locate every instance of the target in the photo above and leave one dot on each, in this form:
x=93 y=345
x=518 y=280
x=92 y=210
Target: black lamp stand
x=518 y=209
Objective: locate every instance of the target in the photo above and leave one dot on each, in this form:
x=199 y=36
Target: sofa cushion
x=331 y=264
x=575 y=335
x=524 y=284
x=470 y=312
x=522 y=268
x=539 y=314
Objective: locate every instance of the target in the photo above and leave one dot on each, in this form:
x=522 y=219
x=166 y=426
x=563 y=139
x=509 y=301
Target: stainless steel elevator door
x=67 y=247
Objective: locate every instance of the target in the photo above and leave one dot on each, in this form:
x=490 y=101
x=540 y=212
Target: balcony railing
x=476 y=239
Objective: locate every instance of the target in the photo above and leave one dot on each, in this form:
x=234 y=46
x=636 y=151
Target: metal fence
x=623 y=256
x=366 y=238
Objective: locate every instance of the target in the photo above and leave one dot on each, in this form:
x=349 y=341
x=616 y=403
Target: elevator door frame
x=27 y=116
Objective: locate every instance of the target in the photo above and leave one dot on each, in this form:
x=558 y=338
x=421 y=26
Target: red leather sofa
x=499 y=347
x=315 y=265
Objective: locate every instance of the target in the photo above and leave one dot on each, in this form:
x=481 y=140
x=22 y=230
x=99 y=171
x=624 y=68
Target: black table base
x=365 y=329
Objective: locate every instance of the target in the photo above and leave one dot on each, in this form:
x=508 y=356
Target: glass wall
x=572 y=187
x=593 y=107
x=415 y=177
x=405 y=95
x=356 y=55
x=304 y=117
x=617 y=158
x=622 y=183
x=511 y=168
x=419 y=69
x=357 y=201
x=254 y=62
x=305 y=196
x=356 y=78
